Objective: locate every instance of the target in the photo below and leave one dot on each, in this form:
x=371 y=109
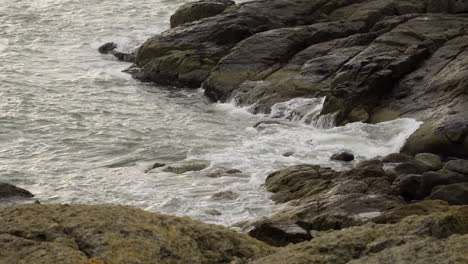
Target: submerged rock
x=180 y=166
x=186 y=165
x=343 y=156
x=117 y=234
x=194 y=11
x=223 y=172
x=226 y=195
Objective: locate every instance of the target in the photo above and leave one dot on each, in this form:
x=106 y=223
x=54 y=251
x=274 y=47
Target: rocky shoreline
x=374 y=61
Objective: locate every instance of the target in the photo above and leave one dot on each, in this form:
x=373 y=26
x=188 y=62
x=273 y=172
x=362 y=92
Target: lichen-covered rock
x=194 y=11
x=421 y=208
x=323 y=199
x=116 y=234
x=434 y=238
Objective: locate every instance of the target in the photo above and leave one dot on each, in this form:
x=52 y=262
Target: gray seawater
x=75 y=129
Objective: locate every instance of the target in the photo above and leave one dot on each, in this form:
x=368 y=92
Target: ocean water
x=75 y=129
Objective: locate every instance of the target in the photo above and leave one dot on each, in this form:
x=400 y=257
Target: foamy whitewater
x=75 y=129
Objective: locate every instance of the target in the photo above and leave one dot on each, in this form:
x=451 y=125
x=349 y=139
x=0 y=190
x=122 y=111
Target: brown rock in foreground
x=436 y=238
x=116 y=234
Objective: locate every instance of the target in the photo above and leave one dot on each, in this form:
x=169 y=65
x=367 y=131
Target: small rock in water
x=227 y=195
x=155 y=166
x=12 y=195
x=288 y=154
x=343 y=156
x=279 y=234
x=213 y=212
x=107 y=48
x=220 y=173
x=186 y=166
x=8 y=190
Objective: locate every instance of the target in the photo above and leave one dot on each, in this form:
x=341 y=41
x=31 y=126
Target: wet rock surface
x=197 y=10
x=343 y=156
x=179 y=167
x=116 y=234
x=375 y=60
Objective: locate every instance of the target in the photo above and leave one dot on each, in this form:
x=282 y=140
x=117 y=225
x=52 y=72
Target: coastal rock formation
x=434 y=238
x=116 y=234
x=321 y=199
x=194 y=11
x=375 y=60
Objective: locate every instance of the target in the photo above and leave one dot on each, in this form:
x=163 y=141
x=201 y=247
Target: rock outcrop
x=116 y=234
x=375 y=60
x=317 y=198
x=435 y=238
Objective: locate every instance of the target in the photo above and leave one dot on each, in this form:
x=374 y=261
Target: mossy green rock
x=116 y=234
x=434 y=238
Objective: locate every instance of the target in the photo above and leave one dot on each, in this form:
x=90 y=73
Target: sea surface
x=75 y=129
